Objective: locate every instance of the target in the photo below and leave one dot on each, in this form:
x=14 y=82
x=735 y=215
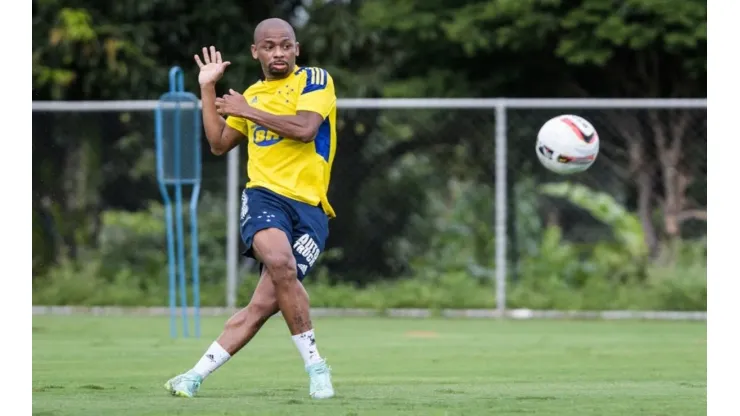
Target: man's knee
x=274 y=251
x=281 y=267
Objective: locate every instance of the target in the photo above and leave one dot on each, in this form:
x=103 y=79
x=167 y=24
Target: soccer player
x=288 y=119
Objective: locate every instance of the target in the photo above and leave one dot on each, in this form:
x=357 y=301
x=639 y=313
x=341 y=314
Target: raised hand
x=214 y=66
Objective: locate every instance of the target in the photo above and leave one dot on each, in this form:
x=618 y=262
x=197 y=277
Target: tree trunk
x=638 y=169
x=642 y=172
x=668 y=143
x=645 y=209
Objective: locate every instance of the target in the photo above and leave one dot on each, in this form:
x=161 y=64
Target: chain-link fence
x=421 y=188
x=652 y=161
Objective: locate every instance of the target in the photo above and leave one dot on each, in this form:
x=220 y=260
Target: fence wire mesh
x=414 y=190
x=410 y=187
x=653 y=162
x=96 y=196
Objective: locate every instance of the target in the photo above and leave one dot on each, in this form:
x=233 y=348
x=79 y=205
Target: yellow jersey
x=296 y=170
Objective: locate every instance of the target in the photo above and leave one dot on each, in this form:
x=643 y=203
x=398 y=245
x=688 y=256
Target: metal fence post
x=500 y=204
x=232 y=226
x=498 y=106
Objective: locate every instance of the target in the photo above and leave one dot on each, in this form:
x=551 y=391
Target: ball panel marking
x=588 y=138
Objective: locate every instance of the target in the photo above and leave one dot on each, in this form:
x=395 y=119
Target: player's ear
x=254 y=52
x=297 y=49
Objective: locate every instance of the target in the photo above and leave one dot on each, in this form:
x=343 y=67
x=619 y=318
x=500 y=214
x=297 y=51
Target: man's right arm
x=220 y=136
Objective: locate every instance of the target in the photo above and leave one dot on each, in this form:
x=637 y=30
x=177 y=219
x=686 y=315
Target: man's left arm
x=314 y=104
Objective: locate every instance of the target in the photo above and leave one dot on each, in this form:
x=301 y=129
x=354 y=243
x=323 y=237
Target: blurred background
x=414 y=187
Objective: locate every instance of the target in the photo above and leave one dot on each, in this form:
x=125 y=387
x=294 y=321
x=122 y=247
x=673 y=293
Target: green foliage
x=113 y=50
x=452 y=270
x=637 y=24
x=412 y=188
x=565 y=275
x=453 y=234
x=602 y=206
x=122 y=230
x=623 y=259
x=684 y=290
x=84 y=282
x=609 y=40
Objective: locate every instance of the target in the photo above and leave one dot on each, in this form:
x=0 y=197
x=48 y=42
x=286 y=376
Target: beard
x=279 y=70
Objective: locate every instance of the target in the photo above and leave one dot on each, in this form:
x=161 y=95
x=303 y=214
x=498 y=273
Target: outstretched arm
x=220 y=136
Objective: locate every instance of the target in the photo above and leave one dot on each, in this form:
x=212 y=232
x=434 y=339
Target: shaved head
x=275 y=47
x=272 y=25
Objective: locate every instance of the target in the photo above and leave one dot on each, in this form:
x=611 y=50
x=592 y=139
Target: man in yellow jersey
x=288 y=120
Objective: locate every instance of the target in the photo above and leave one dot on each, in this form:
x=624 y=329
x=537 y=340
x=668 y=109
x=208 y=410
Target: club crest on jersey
x=263 y=137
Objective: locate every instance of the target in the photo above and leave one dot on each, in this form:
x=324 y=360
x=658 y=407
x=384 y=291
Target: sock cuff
x=216 y=347
x=307 y=334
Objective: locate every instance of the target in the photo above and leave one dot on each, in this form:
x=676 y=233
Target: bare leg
x=240 y=328
x=274 y=251
x=238 y=331
x=244 y=325
x=279 y=288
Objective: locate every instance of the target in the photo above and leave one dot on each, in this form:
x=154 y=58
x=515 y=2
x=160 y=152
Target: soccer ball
x=567 y=144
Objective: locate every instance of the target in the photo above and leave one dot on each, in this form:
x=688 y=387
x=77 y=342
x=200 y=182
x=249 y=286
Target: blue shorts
x=306 y=226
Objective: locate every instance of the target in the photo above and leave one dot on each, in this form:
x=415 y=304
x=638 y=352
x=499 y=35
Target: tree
x=434 y=48
x=90 y=50
x=601 y=48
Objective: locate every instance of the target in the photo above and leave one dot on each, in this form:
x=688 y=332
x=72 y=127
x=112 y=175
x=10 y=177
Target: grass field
x=108 y=366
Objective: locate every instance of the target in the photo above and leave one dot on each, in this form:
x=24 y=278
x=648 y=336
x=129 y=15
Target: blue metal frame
x=176 y=237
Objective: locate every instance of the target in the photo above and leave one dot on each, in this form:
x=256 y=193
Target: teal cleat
x=184 y=385
x=320 y=386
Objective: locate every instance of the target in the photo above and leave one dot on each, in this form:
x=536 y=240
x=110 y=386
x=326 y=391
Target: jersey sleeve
x=237 y=123
x=318 y=92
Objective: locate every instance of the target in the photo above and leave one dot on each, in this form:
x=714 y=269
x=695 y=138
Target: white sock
x=214 y=358
x=306 y=344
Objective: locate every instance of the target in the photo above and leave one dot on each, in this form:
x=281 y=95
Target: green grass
x=107 y=366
